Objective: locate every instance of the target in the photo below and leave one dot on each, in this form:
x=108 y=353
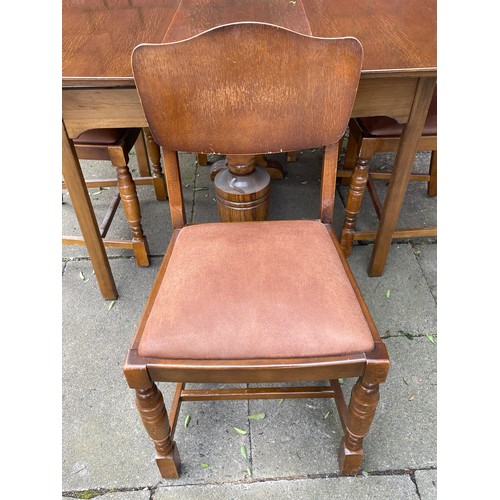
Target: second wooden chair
x=114 y=145
x=371 y=135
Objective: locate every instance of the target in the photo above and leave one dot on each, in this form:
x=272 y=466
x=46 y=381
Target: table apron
x=385 y=97
x=87 y=108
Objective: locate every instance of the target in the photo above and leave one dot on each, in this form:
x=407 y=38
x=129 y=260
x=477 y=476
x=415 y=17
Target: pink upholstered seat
x=377 y=126
x=104 y=136
x=246 y=291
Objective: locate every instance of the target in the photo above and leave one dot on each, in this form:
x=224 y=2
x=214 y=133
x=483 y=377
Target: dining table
x=398 y=77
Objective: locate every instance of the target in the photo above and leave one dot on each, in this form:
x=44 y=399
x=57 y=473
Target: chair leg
x=351 y=155
x=142 y=156
x=155 y=419
x=202 y=159
x=130 y=201
x=157 y=172
x=355 y=194
x=432 y=185
x=362 y=406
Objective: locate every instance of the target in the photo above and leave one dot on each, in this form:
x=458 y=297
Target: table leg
x=75 y=184
x=401 y=174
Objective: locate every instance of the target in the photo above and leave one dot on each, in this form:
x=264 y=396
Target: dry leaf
x=256 y=416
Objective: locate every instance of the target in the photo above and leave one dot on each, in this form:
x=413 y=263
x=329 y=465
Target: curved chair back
x=248 y=88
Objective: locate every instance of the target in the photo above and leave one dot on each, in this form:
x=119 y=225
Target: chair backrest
x=248 y=88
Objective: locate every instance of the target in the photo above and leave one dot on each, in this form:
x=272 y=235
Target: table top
x=398 y=37
x=195 y=16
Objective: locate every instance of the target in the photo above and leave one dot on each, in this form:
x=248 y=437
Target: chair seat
x=378 y=126
x=101 y=136
x=254 y=290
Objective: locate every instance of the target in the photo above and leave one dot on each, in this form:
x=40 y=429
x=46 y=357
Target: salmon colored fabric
x=101 y=136
x=246 y=290
x=386 y=126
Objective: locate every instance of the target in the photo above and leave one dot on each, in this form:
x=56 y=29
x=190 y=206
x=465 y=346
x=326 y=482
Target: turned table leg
x=155 y=419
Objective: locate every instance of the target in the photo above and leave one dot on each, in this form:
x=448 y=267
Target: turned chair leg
x=202 y=159
x=155 y=419
x=154 y=153
x=355 y=194
x=351 y=155
x=142 y=156
x=132 y=209
x=364 y=399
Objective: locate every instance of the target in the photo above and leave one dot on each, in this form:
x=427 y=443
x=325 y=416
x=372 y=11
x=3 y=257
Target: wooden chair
x=114 y=145
x=256 y=320
x=371 y=135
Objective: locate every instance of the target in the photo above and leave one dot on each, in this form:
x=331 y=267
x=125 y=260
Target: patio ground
x=292 y=452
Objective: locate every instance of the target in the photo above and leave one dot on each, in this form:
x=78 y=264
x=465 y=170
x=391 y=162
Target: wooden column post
x=242 y=190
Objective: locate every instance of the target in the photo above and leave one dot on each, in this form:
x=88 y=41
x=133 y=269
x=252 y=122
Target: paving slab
x=372 y=487
x=209 y=446
x=427 y=259
x=296 y=438
x=103 y=445
x=427 y=484
x=299 y=437
x=404 y=431
x=400 y=300
x=142 y=494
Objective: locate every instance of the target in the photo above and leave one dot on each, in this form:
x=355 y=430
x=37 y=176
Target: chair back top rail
x=248 y=88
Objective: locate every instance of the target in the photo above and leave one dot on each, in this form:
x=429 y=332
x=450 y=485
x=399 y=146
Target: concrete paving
x=292 y=452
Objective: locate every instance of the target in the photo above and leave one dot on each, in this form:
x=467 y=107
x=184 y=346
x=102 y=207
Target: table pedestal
x=274 y=168
x=242 y=190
